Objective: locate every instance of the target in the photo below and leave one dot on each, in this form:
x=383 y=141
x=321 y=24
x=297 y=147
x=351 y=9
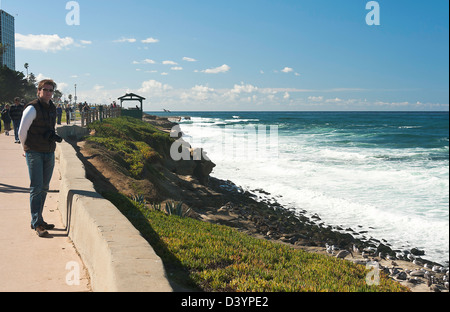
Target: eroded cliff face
x=143 y=158
x=181 y=158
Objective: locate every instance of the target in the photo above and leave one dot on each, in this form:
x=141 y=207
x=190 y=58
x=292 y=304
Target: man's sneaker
x=46 y=226
x=40 y=231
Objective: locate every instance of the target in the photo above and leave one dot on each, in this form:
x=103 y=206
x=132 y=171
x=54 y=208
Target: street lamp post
x=75 y=106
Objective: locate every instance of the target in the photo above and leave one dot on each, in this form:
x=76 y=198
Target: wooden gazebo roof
x=131 y=97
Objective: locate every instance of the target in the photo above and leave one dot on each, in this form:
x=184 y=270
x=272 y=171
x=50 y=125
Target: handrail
x=99 y=113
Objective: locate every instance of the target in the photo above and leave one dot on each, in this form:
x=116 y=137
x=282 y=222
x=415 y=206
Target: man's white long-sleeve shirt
x=29 y=115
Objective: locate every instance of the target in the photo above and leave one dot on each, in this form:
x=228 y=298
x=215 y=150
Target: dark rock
x=417 y=252
x=401 y=276
x=316 y=217
x=384 y=249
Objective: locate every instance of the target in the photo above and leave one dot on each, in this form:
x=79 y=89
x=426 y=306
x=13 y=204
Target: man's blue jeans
x=16 y=125
x=40 y=169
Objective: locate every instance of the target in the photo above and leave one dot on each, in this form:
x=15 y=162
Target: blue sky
x=241 y=55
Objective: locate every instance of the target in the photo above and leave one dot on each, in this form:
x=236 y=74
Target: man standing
x=15 y=112
x=37 y=134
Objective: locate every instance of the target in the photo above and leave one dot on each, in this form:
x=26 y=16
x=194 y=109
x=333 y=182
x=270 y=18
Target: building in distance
x=7 y=40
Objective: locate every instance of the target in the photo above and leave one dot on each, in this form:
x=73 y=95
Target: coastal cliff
x=134 y=156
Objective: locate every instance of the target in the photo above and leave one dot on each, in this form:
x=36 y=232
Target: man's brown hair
x=46 y=82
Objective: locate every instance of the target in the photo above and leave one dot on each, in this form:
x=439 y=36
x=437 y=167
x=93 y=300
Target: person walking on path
x=6 y=119
x=15 y=112
x=38 y=137
x=58 y=114
x=68 y=110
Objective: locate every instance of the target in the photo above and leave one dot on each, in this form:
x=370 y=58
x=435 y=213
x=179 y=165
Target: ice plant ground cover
x=212 y=257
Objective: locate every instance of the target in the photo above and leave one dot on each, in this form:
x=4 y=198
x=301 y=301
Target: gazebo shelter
x=132 y=112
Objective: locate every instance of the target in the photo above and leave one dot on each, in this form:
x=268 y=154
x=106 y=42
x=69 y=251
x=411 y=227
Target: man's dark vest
x=16 y=111
x=45 y=121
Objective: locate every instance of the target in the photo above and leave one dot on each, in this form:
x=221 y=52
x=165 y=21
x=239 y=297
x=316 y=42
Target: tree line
x=14 y=84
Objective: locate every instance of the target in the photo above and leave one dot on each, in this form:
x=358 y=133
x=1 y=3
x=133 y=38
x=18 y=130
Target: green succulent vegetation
x=137 y=144
x=171 y=208
x=212 y=257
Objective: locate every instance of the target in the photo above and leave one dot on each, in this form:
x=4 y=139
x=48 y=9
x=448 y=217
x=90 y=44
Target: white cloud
x=41 y=77
x=200 y=88
x=198 y=93
x=287 y=70
x=189 y=59
x=221 y=69
x=169 y=63
x=150 y=40
x=153 y=85
x=315 y=98
x=62 y=86
x=43 y=43
x=98 y=87
x=146 y=61
x=86 y=42
x=291 y=90
x=248 y=88
x=176 y=68
x=335 y=100
x=239 y=91
x=241 y=96
x=130 y=40
x=393 y=104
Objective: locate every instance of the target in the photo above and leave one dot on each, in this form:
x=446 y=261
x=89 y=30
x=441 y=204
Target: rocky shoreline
x=271 y=221
x=258 y=214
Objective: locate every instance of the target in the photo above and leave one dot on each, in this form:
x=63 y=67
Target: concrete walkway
x=29 y=263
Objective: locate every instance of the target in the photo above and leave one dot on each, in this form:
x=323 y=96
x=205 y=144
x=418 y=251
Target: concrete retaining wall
x=72 y=132
x=117 y=257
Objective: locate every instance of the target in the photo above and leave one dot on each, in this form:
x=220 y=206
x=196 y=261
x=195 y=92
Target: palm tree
x=26 y=67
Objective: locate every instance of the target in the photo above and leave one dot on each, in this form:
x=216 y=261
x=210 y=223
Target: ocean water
x=385 y=174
